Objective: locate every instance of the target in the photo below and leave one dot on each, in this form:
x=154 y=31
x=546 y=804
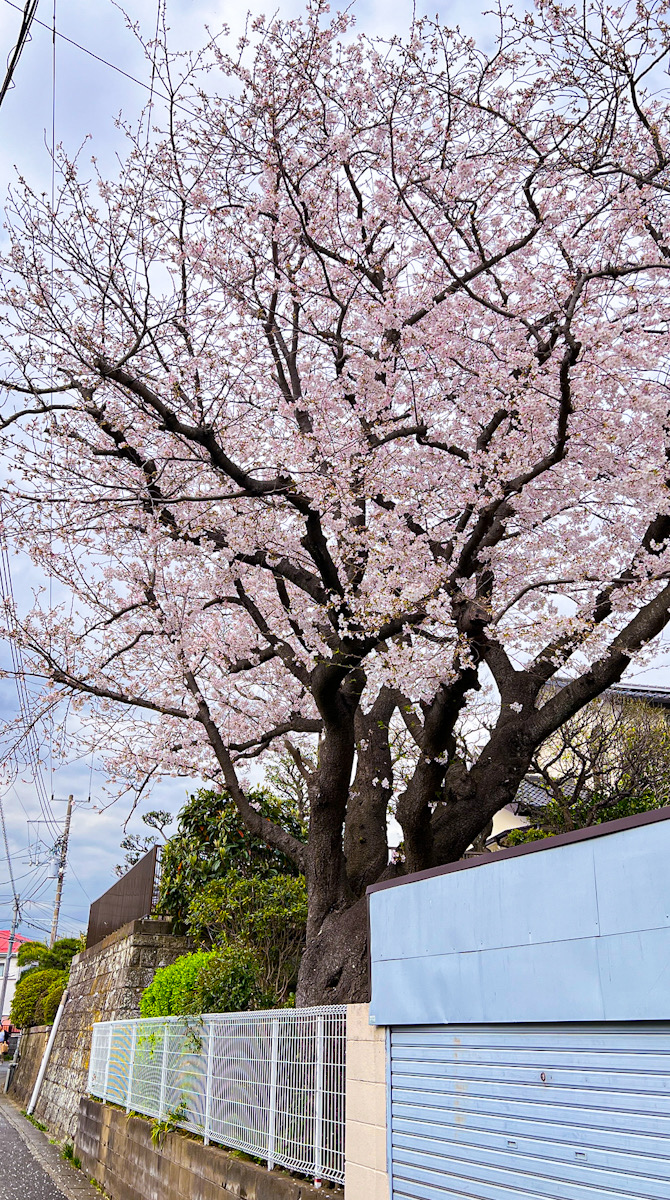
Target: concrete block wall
x=30 y=1049
x=366 y=1175
x=106 y=983
x=118 y=1152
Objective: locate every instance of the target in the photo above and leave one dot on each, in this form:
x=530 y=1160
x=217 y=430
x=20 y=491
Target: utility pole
x=61 y=869
x=8 y=959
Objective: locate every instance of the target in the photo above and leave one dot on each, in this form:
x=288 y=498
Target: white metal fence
x=268 y=1083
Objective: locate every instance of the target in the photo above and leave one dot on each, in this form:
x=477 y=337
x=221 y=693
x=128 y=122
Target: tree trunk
x=335 y=965
x=334 y=968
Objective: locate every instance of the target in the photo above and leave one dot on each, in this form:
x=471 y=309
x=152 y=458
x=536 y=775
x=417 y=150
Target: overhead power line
x=30 y=740
x=24 y=33
x=8 y=855
x=112 y=66
x=69 y=863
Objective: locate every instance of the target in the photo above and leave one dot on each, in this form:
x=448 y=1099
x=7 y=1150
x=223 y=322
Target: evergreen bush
x=31 y=990
x=224 y=980
x=265 y=915
x=52 y=999
x=212 y=841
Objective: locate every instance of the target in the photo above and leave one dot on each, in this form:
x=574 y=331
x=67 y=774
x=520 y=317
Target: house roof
x=638 y=691
x=530 y=795
x=4 y=940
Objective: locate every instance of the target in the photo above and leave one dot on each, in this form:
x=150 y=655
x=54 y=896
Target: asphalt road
x=21 y=1176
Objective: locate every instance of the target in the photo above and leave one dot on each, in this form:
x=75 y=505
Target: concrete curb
x=71 y=1182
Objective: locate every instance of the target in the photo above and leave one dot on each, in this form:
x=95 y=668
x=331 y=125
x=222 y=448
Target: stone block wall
x=118 y=1152
x=106 y=983
x=31 y=1048
x=366 y=1175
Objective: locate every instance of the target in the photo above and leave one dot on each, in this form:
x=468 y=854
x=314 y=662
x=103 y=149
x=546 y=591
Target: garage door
x=569 y=1112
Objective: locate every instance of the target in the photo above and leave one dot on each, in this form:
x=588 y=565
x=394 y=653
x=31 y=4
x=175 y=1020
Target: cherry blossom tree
x=347 y=394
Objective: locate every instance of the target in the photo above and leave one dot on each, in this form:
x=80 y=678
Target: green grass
x=33 y=1120
x=69 y=1155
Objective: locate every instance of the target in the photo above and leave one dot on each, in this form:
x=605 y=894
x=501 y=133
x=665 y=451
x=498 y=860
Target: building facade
x=14 y=969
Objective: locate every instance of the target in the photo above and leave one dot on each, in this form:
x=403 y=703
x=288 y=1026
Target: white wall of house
x=11 y=985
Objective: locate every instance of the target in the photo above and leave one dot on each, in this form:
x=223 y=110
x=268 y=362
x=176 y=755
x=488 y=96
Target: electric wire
x=51 y=355
x=39 y=877
x=18 y=879
x=29 y=735
x=13 y=786
x=8 y=855
x=24 y=34
x=104 y=61
x=69 y=863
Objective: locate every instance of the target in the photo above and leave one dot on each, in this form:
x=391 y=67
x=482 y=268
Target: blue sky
x=89 y=97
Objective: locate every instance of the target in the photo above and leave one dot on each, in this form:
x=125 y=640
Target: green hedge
x=32 y=990
x=225 y=980
x=52 y=999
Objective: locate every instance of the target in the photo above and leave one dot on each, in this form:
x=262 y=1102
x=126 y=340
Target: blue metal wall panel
x=541 y=897
x=579 y=932
x=540 y=1113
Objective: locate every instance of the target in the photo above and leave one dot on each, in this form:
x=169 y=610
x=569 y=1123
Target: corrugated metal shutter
x=553 y=1112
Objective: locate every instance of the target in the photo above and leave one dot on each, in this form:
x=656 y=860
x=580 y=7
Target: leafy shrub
x=41 y=958
x=52 y=999
x=64 y=950
x=267 y=916
x=225 y=980
x=172 y=987
x=231 y=981
x=31 y=990
x=212 y=840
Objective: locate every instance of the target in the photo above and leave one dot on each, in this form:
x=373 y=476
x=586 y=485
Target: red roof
x=4 y=940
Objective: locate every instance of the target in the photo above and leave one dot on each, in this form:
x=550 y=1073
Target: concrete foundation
x=118 y=1152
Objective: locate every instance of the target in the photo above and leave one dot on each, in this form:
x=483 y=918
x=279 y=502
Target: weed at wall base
x=69 y=1155
x=33 y=1121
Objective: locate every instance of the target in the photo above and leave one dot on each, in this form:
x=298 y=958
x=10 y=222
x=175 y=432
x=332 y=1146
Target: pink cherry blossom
x=348 y=393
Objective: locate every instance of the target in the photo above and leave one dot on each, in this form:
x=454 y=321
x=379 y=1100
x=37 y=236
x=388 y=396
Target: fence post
x=273 y=1093
x=208 y=1081
x=131 y=1068
x=318 y=1102
x=109 y=1057
x=161 y=1099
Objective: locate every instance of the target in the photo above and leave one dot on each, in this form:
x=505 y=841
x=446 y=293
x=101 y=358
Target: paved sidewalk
x=31 y=1167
